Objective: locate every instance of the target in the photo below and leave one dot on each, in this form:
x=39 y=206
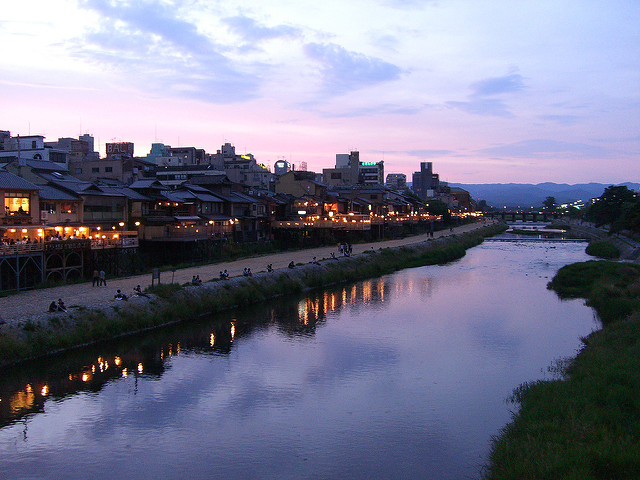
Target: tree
x=438 y=207
x=550 y=204
x=631 y=215
x=608 y=208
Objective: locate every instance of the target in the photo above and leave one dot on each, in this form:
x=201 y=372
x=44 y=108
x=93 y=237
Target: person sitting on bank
x=315 y=261
x=138 y=292
x=244 y=272
x=269 y=268
x=225 y=274
x=53 y=307
x=119 y=295
x=61 y=306
x=291 y=265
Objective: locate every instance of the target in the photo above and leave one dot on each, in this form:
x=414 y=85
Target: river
x=406 y=376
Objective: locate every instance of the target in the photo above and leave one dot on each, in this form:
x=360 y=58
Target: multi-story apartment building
x=349 y=170
x=425 y=182
x=396 y=180
x=30 y=147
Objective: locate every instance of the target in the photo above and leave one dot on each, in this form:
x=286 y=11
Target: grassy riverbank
x=603 y=249
x=585 y=425
x=172 y=303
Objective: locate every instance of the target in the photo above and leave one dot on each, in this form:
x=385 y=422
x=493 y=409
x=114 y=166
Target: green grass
x=164 y=290
x=585 y=425
x=603 y=249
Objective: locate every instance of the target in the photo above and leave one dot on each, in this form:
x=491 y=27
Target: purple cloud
x=344 y=71
x=479 y=104
x=162 y=53
x=252 y=31
x=538 y=148
x=498 y=85
x=483 y=106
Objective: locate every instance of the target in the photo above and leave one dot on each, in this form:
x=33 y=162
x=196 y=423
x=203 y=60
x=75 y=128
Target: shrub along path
x=33 y=304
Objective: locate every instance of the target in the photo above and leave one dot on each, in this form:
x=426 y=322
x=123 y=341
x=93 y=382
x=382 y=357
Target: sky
x=490 y=91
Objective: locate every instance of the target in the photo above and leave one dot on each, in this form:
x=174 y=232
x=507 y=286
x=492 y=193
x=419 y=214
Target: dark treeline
x=617 y=207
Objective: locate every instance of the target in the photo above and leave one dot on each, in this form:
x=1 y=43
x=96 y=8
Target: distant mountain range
x=528 y=195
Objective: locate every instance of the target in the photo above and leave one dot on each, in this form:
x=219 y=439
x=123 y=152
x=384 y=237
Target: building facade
x=349 y=170
x=425 y=182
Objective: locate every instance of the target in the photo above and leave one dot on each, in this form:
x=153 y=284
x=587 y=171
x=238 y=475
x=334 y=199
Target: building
x=243 y=169
x=124 y=169
x=299 y=184
x=79 y=149
x=168 y=156
x=281 y=167
x=425 y=182
x=172 y=176
x=20 y=198
x=396 y=180
x=461 y=199
x=30 y=147
x=349 y=170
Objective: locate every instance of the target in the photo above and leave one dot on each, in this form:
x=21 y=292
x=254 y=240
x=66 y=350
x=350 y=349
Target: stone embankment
x=629 y=248
x=173 y=302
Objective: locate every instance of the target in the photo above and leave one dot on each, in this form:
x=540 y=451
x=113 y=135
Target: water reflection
x=25 y=390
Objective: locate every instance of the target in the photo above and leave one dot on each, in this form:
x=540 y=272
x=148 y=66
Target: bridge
x=522 y=215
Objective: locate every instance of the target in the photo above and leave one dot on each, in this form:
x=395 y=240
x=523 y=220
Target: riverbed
x=405 y=376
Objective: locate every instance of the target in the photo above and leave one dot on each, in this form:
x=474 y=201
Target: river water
x=406 y=376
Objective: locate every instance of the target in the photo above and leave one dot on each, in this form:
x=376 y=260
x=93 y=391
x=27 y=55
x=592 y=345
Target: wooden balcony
x=16 y=219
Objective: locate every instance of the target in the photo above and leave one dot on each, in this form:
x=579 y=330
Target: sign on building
x=120 y=148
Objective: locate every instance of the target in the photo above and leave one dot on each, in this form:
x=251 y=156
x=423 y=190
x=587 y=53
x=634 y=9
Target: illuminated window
x=16 y=203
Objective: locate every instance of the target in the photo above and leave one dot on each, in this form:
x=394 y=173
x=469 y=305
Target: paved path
x=33 y=304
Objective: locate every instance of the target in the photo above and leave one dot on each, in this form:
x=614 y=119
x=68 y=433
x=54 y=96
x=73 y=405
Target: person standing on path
x=103 y=279
x=96 y=278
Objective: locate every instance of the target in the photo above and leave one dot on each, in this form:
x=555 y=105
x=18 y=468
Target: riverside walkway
x=33 y=304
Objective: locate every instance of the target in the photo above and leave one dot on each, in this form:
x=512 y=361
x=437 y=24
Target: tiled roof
x=48 y=192
x=14 y=182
